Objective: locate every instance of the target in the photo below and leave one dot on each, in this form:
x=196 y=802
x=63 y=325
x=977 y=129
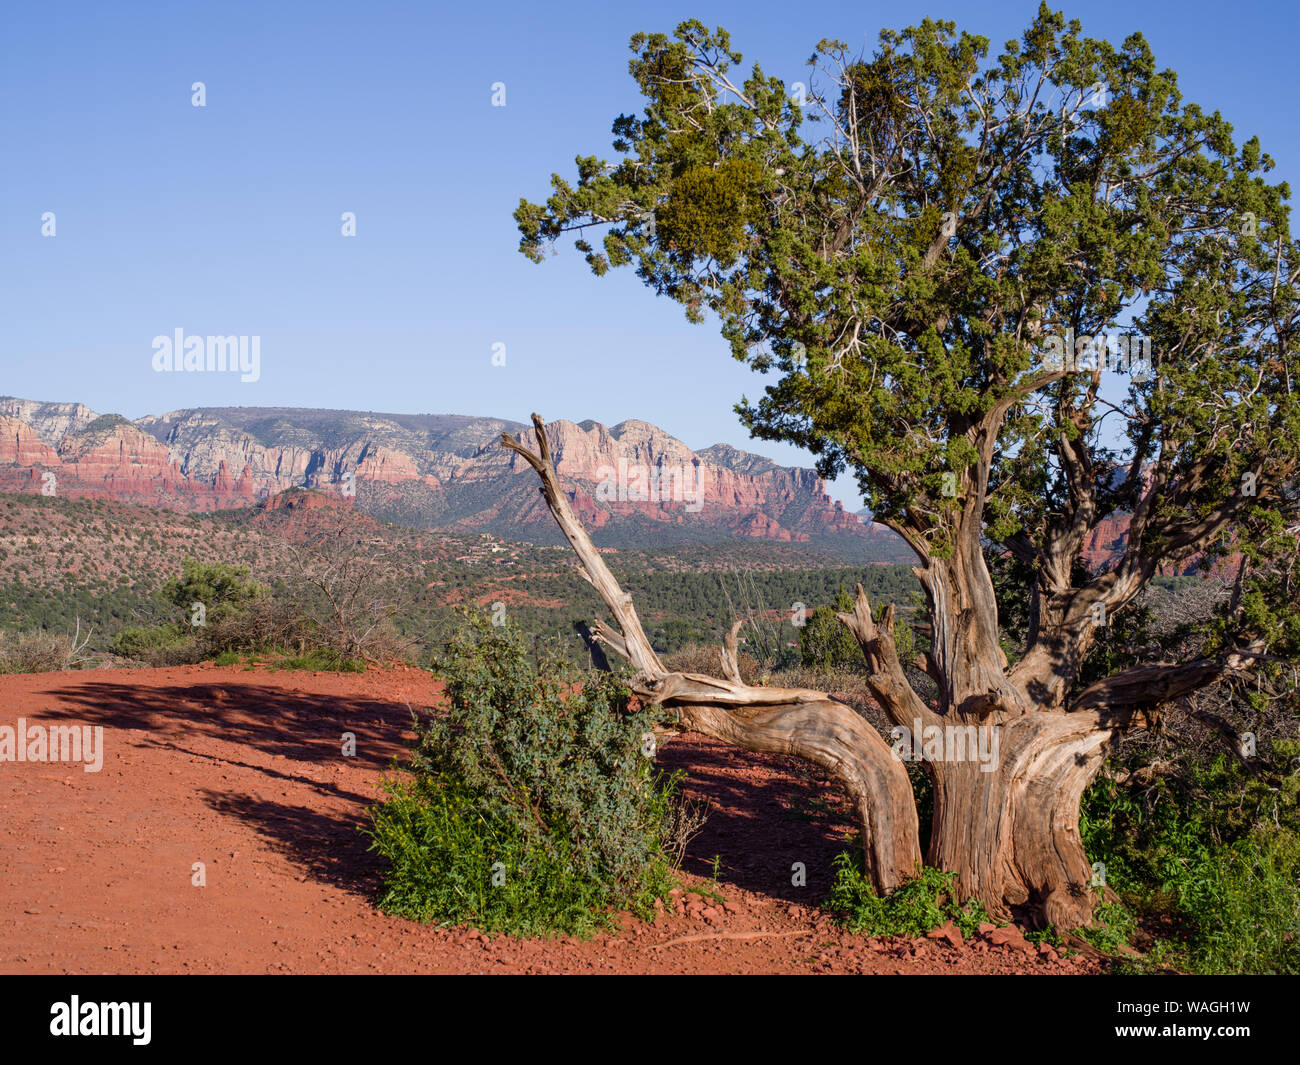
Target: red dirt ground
x=241 y=770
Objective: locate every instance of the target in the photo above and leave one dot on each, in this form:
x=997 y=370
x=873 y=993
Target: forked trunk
x=1006 y=804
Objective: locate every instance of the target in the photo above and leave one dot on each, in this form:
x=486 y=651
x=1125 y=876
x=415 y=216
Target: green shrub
x=162 y=645
x=531 y=807
x=925 y=902
x=221 y=589
x=1214 y=857
x=825 y=642
x=1247 y=908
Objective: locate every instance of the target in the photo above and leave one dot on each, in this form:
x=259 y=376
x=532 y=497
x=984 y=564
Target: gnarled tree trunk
x=1008 y=824
x=1012 y=832
x=806 y=724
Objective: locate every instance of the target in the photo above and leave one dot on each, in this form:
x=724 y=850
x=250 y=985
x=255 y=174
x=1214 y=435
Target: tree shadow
x=304 y=726
x=329 y=847
x=767 y=813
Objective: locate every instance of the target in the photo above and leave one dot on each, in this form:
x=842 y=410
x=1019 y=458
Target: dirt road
x=242 y=771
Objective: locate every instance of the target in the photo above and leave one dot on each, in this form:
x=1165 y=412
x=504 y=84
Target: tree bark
x=1012 y=832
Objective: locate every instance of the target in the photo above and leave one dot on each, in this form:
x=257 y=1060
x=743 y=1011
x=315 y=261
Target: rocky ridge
x=428 y=471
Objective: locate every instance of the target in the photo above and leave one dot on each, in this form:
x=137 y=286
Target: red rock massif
x=633 y=480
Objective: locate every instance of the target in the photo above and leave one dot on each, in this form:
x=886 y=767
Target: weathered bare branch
x=1149 y=686
x=731 y=655
x=794 y=721
x=636 y=647
x=885 y=675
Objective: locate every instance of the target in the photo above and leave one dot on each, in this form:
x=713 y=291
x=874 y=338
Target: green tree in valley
x=220 y=589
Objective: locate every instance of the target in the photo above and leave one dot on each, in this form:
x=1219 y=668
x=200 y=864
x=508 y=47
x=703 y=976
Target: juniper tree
x=1015 y=297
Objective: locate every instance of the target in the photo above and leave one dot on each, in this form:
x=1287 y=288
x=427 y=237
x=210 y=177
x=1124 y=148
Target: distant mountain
x=633 y=484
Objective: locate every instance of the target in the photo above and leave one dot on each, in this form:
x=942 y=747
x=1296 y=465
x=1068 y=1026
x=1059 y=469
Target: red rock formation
x=20 y=446
x=1105 y=543
x=186 y=460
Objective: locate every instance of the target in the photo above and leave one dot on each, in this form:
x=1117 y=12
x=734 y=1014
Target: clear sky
x=225 y=219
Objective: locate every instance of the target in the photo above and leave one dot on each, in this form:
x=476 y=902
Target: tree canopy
x=909 y=245
x=1023 y=299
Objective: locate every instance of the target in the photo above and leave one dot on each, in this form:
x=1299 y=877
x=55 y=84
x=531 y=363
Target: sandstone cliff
x=632 y=480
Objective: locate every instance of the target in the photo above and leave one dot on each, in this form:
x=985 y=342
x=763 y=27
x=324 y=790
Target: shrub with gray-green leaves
x=531 y=805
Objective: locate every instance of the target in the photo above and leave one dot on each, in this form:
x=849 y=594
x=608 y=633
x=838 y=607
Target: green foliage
x=105 y=421
x=221 y=589
x=1221 y=858
x=158 y=645
x=706 y=214
x=535 y=775
x=1113 y=927
x=908 y=274
x=825 y=642
x=443 y=852
x=672 y=634
x=923 y=795
x=323 y=659
x=925 y=902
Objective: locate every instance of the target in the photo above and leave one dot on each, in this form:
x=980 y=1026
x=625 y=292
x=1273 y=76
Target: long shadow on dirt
x=299 y=725
x=294 y=726
x=766 y=813
x=328 y=847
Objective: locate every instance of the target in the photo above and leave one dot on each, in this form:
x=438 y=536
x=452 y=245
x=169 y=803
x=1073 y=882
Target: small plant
x=530 y=807
x=1114 y=926
x=925 y=902
x=321 y=660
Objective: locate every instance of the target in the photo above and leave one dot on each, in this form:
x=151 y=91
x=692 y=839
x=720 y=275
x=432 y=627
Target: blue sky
x=225 y=219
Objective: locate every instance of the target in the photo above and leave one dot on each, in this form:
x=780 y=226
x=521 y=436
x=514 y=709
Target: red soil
x=242 y=770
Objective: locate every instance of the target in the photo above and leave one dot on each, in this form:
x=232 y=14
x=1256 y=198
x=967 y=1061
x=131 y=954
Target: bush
x=1248 y=908
x=38 y=652
x=222 y=590
x=164 y=645
x=241 y=617
x=927 y=901
x=1213 y=856
x=531 y=807
x=825 y=642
